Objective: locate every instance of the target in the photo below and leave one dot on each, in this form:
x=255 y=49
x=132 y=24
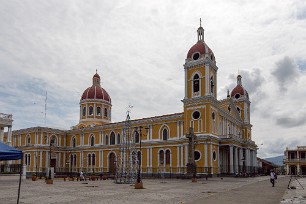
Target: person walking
x=272 y=177
x=82 y=176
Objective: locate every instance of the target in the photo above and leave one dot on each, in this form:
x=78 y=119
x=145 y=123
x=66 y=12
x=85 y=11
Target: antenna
x=46 y=108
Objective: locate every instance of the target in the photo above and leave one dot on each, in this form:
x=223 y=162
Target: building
x=264 y=167
x=6 y=121
x=222 y=128
x=295 y=160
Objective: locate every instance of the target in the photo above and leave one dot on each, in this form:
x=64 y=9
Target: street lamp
x=138 y=184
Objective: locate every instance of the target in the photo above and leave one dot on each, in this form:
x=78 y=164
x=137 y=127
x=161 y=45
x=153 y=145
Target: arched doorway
x=112 y=163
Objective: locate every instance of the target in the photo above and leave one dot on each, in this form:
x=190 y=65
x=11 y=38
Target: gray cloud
x=285 y=73
x=291 y=122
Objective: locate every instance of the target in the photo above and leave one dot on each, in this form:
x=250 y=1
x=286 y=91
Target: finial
x=200 y=22
x=96 y=71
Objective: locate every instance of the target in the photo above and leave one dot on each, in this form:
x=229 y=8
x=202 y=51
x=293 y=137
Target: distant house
x=265 y=166
x=295 y=160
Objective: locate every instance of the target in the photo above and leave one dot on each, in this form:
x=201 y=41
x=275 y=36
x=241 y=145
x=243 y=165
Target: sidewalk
x=258 y=192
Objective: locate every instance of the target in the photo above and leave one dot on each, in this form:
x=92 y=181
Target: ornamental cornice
x=201 y=61
x=85 y=101
x=38 y=129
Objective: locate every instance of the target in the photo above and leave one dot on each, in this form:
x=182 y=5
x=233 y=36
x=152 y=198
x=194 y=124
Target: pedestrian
x=82 y=176
x=272 y=177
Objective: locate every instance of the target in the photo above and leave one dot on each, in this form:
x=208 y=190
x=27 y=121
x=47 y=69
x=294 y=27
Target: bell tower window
x=105 y=112
x=90 y=110
x=98 y=111
x=196 y=85
x=84 y=111
x=212 y=84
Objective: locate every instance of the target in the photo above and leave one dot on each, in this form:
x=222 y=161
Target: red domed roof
x=239 y=90
x=96 y=92
x=200 y=47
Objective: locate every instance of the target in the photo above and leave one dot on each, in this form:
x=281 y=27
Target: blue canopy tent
x=10 y=153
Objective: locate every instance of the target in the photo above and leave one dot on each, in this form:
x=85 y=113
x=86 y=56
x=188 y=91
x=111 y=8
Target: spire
x=239 y=80
x=228 y=95
x=200 y=32
x=96 y=79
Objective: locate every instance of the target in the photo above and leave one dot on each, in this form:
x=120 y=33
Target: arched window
x=28 y=140
x=165 y=134
x=93 y=157
x=53 y=140
x=89 y=159
x=92 y=141
x=98 y=111
x=118 y=138
x=73 y=142
x=106 y=140
x=212 y=84
x=90 y=110
x=196 y=83
x=105 y=112
x=136 y=137
x=84 y=111
x=167 y=156
x=112 y=138
x=74 y=160
x=161 y=157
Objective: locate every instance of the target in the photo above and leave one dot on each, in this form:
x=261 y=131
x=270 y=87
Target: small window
x=136 y=135
x=238 y=109
x=212 y=84
x=73 y=142
x=229 y=109
x=197 y=155
x=237 y=95
x=161 y=157
x=167 y=156
x=196 y=56
x=53 y=141
x=105 y=112
x=213 y=115
x=89 y=159
x=90 y=110
x=29 y=140
x=84 y=111
x=98 y=111
x=214 y=156
x=196 y=83
x=92 y=141
x=165 y=134
x=112 y=138
x=196 y=115
x=93 y=157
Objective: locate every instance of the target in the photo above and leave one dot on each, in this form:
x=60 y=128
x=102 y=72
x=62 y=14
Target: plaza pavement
x=157 y=191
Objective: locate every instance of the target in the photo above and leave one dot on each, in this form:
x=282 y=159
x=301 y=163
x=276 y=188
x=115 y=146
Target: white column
x=298 y=169
x=186 y=154
x=9 y=135
x=47 y=159
x=178 y=156
x=186 y=82
x=240 y=157
x=40 y=159
x=231 y=159
x=148 y=157
x=287 y=169
x=1 y=134
x=102 y=159
x=211 y=157
x=236 y=160
x=182 y=156
x=205 y=155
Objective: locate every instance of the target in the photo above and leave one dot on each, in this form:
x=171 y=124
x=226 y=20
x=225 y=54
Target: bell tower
x=200 y=84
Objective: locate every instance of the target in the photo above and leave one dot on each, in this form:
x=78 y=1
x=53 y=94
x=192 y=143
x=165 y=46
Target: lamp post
x=138 y=184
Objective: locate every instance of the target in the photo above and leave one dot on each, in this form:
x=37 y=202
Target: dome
x=239 y=90
x=201 y=48
x=96 y=91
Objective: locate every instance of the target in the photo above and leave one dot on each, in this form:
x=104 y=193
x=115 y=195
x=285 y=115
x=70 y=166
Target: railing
x=10 y=168
x=295 y=160
x=6 y=116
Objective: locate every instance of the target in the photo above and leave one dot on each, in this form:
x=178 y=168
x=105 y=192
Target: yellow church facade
x=222 y=127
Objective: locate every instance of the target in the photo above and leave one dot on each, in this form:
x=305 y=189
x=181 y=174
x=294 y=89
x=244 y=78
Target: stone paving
x=297 y=194
x=156 y=191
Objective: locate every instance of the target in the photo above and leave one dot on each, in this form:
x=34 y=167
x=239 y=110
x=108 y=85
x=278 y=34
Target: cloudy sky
x=139 y=48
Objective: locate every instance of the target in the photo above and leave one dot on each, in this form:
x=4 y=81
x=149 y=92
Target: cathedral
x=222 y=129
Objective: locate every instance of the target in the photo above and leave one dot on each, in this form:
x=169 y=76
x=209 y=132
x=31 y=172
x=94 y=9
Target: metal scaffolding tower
x=127 y=160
